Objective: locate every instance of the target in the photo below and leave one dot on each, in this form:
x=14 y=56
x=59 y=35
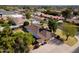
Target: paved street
x=76 y=50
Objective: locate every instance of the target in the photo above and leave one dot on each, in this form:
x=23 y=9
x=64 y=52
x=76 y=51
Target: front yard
x=17 y=30
x=71 y=40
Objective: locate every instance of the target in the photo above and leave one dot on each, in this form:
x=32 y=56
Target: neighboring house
x=42 y=15
x=38 y=18
x=58 y=17
x=74 y=19
x=16 y=18
x=35 y=22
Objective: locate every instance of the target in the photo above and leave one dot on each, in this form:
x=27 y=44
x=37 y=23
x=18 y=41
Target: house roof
x=7 y=12
x=46 y=34
x=33 y=33
x=33 y=28
x=48 y=16
x=74 y=19
x=18 y=20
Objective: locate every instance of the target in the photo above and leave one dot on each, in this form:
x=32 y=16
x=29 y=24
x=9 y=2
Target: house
x=74 y=20
x=35 y=22
x=18 y=20
x=15 y=17
x=42 y=15
x=34 y=30
x=46 y=34
x=38 y=18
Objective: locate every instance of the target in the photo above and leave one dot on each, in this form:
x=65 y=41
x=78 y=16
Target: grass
x=71 y=40
x=18 y=30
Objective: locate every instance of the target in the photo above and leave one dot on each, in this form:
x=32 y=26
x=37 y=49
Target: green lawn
x=71 y=40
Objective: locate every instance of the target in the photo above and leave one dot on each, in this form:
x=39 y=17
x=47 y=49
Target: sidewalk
x=53 y=48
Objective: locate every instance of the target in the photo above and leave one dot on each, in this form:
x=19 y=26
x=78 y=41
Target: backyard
x=71 y=40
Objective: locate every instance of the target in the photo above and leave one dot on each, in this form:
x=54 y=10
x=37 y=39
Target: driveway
x=55 y=48
x=51 y=48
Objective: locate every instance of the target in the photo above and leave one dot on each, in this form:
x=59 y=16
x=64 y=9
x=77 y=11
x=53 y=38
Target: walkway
x=54 y=48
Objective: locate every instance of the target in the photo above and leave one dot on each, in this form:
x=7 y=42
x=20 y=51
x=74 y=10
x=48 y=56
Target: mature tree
x=66 y=13
x=28 y=15
x=52 y=25
x=27 y=37
x=1 y=21
x=51 y=12
x=26 y=23
x=15 y=42
x=23 y=40
x=6 y=31
x=10 y=22
x=6 y=44
x=8 y=8
x=69 y=30
x=6 y=22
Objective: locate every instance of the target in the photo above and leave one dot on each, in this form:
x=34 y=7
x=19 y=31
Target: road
x=76 y=50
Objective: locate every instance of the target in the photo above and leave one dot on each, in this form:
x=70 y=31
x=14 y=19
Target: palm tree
x=52 y=24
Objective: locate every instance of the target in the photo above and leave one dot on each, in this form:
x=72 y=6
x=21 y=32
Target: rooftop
x=7 y=12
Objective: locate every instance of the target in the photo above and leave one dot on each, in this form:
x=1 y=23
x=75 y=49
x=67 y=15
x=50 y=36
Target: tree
x=23 y=40
x=51 y=12
x=6 y=31
x=17 y=42
x=28 y=15
x=6 y=41
x=66 y=13
x=8 y=8
x=27 y=37
x=42 y=22
x=9 y=21
x=6 y=22
x=1 y=21
x=52 y=24
x=26 y=23
x=69 y=30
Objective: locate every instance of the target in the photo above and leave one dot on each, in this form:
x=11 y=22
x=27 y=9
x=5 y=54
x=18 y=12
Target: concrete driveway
x=54 y=48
